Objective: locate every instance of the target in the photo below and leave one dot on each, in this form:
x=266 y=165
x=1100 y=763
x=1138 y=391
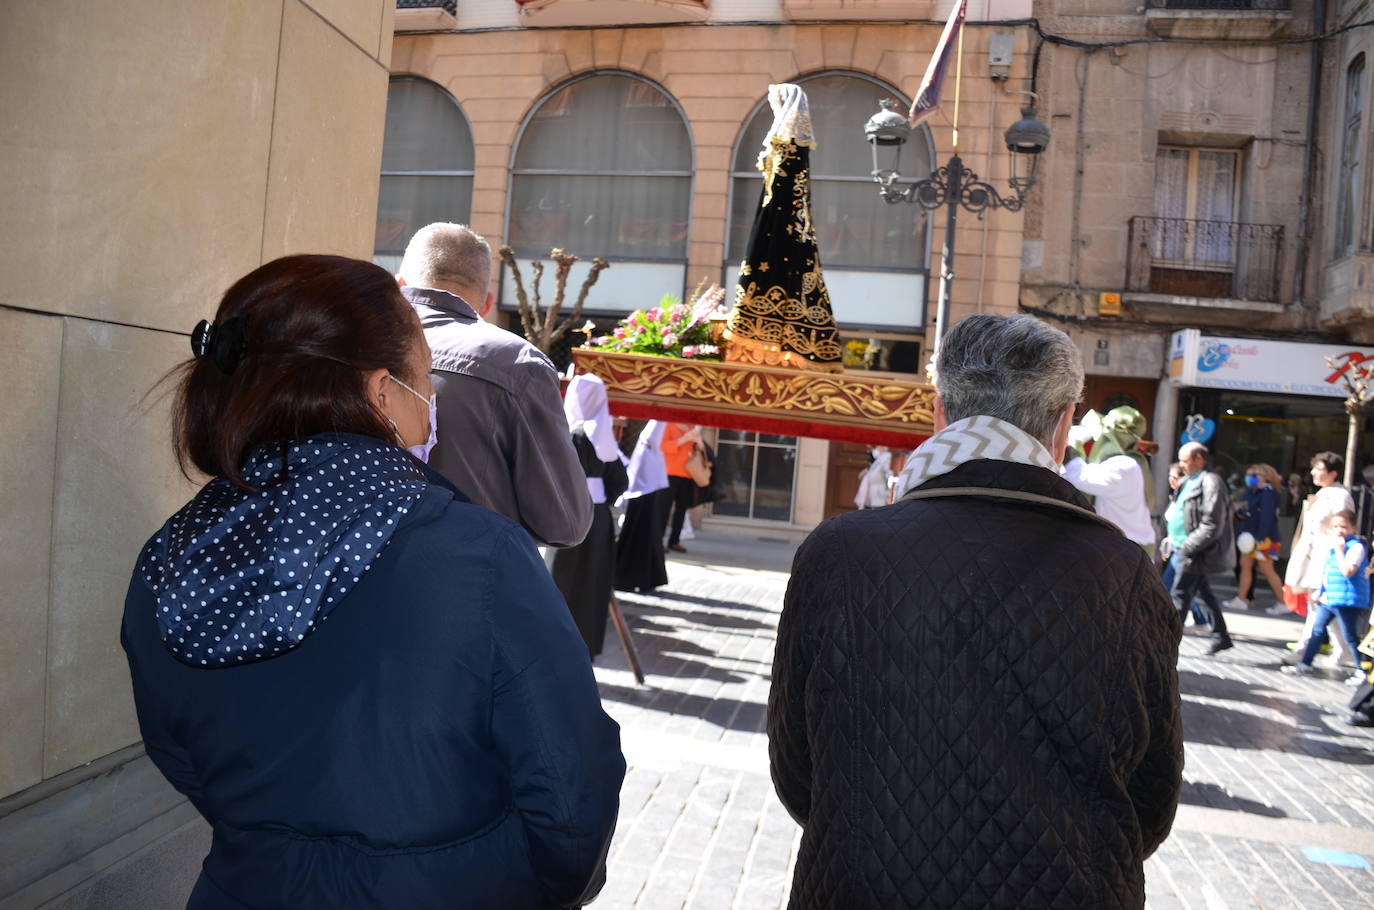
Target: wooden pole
x=626 y=642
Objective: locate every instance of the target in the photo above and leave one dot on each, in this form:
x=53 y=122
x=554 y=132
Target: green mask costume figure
x=1122 y=430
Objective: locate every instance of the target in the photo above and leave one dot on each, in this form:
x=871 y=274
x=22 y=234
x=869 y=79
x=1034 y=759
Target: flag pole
x=958 y=80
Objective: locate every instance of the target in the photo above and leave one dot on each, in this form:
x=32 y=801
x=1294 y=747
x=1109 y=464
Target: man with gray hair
x=975 y=700
x=502 y=436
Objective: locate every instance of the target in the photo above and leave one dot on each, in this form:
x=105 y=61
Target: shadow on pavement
x=696 y=616
x=1293 y=726
x=727 y=713
x=1215 y=797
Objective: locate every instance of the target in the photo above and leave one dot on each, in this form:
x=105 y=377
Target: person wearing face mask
x=367 y=685
x=503 y=439
x=873 y=487
x=1259 y=517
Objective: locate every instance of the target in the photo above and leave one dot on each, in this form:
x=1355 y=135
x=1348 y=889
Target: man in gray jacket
x=503 y=439
x=1209 y=546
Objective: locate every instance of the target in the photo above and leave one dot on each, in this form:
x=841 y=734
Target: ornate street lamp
x=953 y=186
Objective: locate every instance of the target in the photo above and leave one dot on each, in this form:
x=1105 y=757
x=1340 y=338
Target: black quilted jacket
x=975 y=704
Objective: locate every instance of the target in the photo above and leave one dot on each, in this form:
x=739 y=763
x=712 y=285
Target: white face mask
x=423 y=449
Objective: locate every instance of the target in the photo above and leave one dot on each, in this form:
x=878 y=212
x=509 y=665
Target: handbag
x=1295 y=599
x=713 y=491
x=699 y=466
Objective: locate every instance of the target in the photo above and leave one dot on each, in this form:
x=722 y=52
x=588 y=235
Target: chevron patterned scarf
x=969 y=440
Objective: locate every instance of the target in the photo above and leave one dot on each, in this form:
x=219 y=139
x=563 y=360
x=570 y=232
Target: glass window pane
x=889 y=355
x=773 y=483
x=643 y=217
x=1216 y=191
x=774 y=439
x=406 y=204
x=840 y=106
x=735 y=436
x=855 y=228
x=1171 y=183
x=734 y=466
x=425 y=129
x=606 y=124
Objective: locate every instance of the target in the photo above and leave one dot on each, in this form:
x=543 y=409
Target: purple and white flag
x=928 y=97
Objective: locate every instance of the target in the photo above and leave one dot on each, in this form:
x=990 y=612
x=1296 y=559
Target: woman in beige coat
x=1313 y=540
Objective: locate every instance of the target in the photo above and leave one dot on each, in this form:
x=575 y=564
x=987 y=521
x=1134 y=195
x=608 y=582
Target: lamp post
x=953 y=186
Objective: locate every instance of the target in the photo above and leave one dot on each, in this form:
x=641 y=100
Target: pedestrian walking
x=1259 y=517
x=586 y=573
x=974 y=698
x=1343 y=595
x=1175 y=535
x=368 y=686
x=1208 y=544
x=679 y=441
x=503 y=437
x=1312 y=541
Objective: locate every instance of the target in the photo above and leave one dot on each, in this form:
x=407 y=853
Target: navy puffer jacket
x=438 y=742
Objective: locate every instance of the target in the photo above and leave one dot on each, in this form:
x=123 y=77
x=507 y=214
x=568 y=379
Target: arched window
x=1348 y=185
x=875 y=255
x=603 y=167
x=427 y=162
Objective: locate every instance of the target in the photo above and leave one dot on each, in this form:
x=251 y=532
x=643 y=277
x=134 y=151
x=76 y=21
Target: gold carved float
x=851 y=407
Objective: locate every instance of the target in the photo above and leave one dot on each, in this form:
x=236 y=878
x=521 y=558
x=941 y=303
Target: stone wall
x=152 y=153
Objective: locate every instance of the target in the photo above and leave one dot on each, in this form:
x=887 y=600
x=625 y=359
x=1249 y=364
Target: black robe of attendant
x=584 y=573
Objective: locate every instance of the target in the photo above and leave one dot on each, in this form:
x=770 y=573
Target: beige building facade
x=152 y=153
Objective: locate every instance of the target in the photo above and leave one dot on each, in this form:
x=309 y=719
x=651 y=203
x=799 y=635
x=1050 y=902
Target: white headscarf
x=585 y=405
x=648 y=472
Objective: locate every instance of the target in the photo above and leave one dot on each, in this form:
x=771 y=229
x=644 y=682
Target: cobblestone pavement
x=1278 y=802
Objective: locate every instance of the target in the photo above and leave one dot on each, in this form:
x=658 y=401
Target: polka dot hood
x=241 y=577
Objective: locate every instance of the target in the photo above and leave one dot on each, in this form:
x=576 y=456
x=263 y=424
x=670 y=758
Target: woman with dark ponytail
x=368 y=686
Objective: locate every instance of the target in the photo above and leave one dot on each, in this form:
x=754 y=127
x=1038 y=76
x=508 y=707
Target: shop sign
x=1263 y=365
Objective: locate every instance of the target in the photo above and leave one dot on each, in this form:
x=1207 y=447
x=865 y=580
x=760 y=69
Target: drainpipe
x=1309 y=156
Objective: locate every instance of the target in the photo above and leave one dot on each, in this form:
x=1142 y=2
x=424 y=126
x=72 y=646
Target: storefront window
x=1283 y=431
x=758 y=471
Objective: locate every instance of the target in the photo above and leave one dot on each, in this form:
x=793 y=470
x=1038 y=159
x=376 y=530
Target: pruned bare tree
x=541 y=324
x=1359 y=392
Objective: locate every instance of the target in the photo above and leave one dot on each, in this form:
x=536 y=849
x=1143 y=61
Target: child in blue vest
x=1344 y=594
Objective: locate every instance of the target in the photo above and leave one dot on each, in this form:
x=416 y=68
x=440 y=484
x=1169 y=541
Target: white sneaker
x=1235 y=603
x=1297 y=670
x=1292 y=658
x=1355 y=678
x=1278 y=610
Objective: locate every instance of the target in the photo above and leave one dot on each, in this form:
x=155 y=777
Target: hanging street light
x=953 y=186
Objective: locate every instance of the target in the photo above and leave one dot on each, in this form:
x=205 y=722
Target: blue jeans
x=1348 y=617
x=1168 y=575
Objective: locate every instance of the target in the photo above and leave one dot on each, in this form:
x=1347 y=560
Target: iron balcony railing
x=448 y=6
x=1221 y=4
x=1191 y=258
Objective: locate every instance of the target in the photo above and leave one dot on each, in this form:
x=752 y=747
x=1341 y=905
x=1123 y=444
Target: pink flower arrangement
x=671 y=329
